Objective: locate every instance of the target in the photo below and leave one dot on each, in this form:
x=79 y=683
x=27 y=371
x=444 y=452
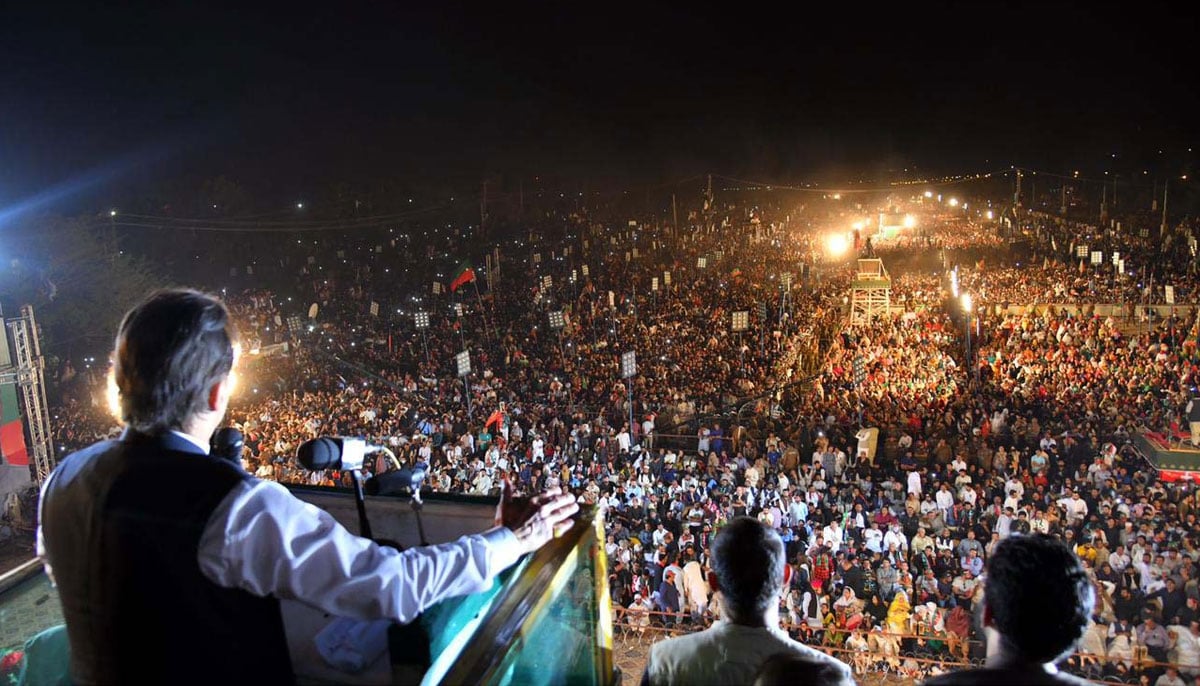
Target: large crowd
x=889 y=461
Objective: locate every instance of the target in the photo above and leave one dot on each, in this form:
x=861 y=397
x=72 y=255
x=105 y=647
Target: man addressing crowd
x=170 y=564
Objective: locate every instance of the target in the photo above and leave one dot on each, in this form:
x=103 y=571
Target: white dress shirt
x=264 y=540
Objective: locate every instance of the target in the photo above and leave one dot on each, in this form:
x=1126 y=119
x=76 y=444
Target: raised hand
x=535 y=520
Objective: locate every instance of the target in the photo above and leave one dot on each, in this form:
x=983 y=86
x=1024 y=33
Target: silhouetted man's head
x=748 y=563
x=1037 y=597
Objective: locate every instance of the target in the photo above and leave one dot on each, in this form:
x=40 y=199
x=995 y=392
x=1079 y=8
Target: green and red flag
x=462 y=276
x=12 y=431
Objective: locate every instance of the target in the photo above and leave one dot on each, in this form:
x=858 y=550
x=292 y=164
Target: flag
x=496 y=418
x=735 y=273
x=12 y=434
x=462 y=276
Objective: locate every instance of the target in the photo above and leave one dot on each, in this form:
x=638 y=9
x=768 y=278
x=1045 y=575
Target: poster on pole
x=1169 y=293
x=312 y=311
x=1081 y=251
x=1097 y=257
x=374 y=309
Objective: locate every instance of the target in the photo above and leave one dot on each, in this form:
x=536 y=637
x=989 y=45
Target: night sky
x=98 y=100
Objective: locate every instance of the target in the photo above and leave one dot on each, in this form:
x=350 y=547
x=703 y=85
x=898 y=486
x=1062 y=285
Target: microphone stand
x=417 y=506
x=364 y=527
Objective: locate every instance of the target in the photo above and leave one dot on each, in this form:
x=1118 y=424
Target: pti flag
x=12 y=432
x=462 y=276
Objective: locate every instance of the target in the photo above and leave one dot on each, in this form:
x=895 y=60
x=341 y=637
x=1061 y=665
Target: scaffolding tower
x=871 y=292
x=28 y=373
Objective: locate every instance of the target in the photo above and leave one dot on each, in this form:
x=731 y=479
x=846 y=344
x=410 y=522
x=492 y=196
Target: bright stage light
x=837 y=245
x=953 y=202
x=988 y=214
x=966 y=302
x=928 y=194
x=909 y=221
x=112 y=396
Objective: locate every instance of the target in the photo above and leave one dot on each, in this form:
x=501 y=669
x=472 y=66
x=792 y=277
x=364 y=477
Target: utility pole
x=1166 y=187
x=1017 y=195
x=1103 y=203
x=1063 y=209
x=521 y=198
x=483 y=208
x=708 y=202
x=1154 y=197
x=674 y=215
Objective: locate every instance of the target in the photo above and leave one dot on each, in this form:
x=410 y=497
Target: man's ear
x=787 y=575
x=219 y=393
x=986 y=615
x=712 y=581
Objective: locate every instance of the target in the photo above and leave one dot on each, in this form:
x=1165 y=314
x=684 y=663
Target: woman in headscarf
x=899 y=614
x=848 y=609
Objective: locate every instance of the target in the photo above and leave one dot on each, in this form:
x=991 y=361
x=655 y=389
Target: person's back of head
x=748 y=562
x=170 y=349
x=790 y=669
x=1037 y=597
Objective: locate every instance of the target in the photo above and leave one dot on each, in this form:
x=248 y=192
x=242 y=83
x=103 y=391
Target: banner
x=12 y=434
x=374 y=309
x=312 y=311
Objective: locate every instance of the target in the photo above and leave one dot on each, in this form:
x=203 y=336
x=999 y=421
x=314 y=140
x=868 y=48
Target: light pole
x=966 y=305
x=628 y=371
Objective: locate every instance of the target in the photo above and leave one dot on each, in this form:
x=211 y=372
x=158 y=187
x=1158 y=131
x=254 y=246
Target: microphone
x=227 y=444
x=397 y=481
x=334 y=452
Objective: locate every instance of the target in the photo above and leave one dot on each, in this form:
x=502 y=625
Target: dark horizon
x=111 y=105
